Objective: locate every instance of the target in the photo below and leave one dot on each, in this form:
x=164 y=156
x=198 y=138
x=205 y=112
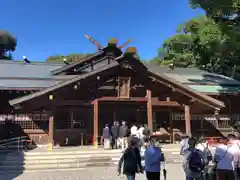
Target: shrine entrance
x=128 y=111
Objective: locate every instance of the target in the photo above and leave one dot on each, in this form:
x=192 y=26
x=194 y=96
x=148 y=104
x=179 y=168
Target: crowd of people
x=218 y=161
x=117 y=136
x=140 y=151
x=132 y=160
x=201 y=160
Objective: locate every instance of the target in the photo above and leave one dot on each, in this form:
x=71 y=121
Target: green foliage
x=196 y=44
x=155 y=61
x=215 y=8
x=225 y=13
x=8 y=44
x=69 y=58
x=202 y=42
x=210 y=42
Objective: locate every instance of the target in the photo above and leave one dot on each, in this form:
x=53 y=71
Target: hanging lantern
x=51 y=97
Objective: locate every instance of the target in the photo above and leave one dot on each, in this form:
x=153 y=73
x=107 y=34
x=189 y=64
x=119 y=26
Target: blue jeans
x=130 y=177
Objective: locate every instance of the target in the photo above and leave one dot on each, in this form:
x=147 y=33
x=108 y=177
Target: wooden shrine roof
x=200 y=80
x=18 y=75
x=99 y=53
x=207 y=100
x=62 y=84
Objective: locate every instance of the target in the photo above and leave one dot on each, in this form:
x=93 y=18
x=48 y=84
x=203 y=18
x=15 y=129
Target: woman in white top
x=134 y=130
x=224 y=155
x=235 y=151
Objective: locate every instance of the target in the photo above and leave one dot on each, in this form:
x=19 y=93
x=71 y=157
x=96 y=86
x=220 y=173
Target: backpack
x=195 y=162
x=146 y=132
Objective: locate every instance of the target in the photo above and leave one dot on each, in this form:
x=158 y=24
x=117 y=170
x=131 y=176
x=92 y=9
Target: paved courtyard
x=100 y=173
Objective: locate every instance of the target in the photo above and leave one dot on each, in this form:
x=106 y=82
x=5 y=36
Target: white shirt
x=205 y=149
x=140 y=131
x=224 y=156
x=134 y=130
x=234 y=149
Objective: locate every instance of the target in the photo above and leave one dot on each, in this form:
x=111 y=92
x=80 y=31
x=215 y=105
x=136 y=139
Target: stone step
x=55 y=166
x=68 y=158
x=60 y=156
x=69 y=155
x=57 y=160
x=62 y=165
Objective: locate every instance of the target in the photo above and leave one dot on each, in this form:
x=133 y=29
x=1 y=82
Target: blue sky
x=49 y=27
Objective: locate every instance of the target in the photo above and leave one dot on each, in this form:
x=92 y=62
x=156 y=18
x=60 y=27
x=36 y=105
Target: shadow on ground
x=14 y=142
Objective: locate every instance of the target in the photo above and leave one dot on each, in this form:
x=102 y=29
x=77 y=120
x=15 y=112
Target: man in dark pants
x=123 y=135
x=115 y=135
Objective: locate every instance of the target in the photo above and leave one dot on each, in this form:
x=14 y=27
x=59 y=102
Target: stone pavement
x=174 y=172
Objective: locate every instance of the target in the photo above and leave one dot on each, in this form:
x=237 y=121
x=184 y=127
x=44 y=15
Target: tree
x=8 y=44
x=217 y=8
x=198 y=43
x=226 y=13
x=156 y=61
x=69 y=58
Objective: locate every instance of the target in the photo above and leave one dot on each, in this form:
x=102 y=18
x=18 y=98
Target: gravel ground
x=101 y=173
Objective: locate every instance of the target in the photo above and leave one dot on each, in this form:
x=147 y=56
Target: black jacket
x=115 y=131
x=131 y=160
x=123 y=131
x=106 y=133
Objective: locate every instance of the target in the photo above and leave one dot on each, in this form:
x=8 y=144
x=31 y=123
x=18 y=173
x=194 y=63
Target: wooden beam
x=109 y=98
x=188 y=94
x=59 y=103
x=187 y=120
x=95 y=123
x=51 y=132
x=157 y=102
x=149 y=110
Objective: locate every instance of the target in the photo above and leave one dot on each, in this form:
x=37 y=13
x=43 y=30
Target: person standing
x=203 y=146
x=106 y=135
x=123 y=135
x=184 y=143
x=193 y=161
x=131 y=161
x=234 y=149
x=140 y=134
x=118 y=140
x=153 y=157
x=134 y=130
x=115 y=135
x=223 y=159
x=146 y=133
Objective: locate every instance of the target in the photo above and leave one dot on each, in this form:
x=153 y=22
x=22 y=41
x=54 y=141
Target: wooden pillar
x=187 y=120
x=72 y=118
x=114 y=115
x=95 y=123
x=138 y=120
x=51 y=132
x=154 y=121
x=149 y=110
